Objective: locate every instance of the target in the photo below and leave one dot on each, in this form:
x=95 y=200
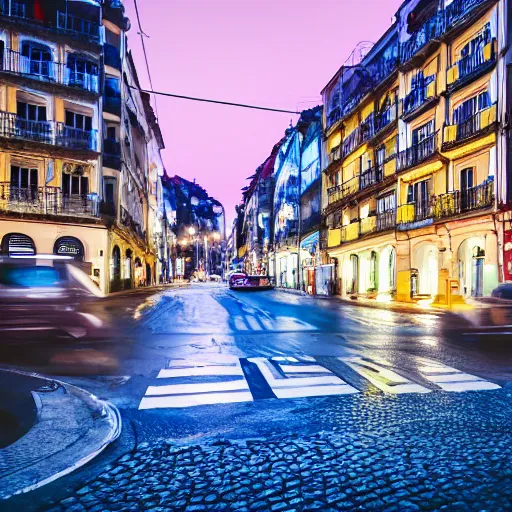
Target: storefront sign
x=69 y=246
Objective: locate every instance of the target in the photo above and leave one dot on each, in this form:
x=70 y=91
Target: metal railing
x=334 y=194
x=368 y=225
x=77 y=26
x=470 y=127
x=48 y=71
x=472 y=63
x=415 y=212
x=461 y=201
x=418 y=152
x=335 y=154
x=370 y=177
x=48 y=132
x=46 y=201
x=75 y=138
x=386 y=220
x=458 y=9
x=367 y=128
x=13 y=8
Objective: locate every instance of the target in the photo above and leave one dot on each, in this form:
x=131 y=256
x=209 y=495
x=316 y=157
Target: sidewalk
x=405 y=307
x=62 y=428
x=154 y=288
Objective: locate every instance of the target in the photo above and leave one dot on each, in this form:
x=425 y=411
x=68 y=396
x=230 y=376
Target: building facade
x=66 y=175
x=413 y=183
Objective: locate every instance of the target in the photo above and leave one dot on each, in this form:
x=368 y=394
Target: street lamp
x=191 y=231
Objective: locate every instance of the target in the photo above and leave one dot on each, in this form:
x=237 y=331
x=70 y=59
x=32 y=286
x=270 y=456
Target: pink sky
x=275 y=53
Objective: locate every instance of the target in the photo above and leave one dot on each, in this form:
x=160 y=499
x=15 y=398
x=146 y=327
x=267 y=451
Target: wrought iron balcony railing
x=386 y=220
x=461 y=201
x=371 y=176
x=13 y=9
x=47 y=132
x=75 y=138
x=417 y=153
x=471 y=64
x=367 y=128
x=335 y=154
x=334 y=194
x=459 y=9
x=471 y=127
x=47 y=71
x=46 y=201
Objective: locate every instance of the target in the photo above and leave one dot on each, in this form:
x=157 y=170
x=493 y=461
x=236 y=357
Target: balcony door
x=82 y=72
x=423 y=140
x=23 y=184
x=419 y=195
x=32 y=122
x=466 y=186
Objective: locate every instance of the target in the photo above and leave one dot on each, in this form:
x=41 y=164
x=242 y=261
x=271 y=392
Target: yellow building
x=412 y=212
x=61 y=167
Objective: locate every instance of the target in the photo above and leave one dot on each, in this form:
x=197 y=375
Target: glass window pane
x=70 y=118
x=84 y=185
x=66 y=179
x=24 y=178
x=21 y=109
x=88 y=123
x=15 y=176
x=33 y=177
x=42 y=113
x=75 y=184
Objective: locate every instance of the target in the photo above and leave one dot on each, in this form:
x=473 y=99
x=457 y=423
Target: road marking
x=297 y=387
x=451 y=379
x=383 y=378
x=183 y=389
x=160 y=402
x=200 y=371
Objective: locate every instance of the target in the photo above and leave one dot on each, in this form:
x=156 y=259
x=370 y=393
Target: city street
x=276 y=401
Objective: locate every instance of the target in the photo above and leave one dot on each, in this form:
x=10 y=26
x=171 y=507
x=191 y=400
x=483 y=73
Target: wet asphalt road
x=415 y=392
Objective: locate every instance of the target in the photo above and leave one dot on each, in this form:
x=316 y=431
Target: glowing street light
x=191 y=231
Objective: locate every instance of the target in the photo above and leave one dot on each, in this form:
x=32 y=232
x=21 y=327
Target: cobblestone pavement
x=414 y=452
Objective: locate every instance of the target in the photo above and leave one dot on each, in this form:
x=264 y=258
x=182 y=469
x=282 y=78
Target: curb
x=142 y=289
x=106 y=427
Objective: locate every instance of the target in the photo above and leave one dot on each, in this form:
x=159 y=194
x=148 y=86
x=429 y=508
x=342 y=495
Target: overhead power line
x=205 y=100
x=142 y=34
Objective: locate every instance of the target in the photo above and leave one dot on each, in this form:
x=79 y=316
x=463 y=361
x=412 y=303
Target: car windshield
x=29 y=277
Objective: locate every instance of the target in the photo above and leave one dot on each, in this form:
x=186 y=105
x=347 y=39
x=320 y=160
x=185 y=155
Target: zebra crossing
x=226 y=379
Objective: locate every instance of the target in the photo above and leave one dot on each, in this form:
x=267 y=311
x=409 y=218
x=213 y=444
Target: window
x=78 y=121
x=23 y=177
x=470 y=107
x=31 y=112
x=478 y=42
x=386 y=203
x=380 y=155
x=423 y=132
x=39 y=59
x=109 y=190
x=419 y=193
x=111 y=133
x=81 y=70
x=75 y=185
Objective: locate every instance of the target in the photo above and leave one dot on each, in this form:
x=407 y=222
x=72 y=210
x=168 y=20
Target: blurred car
x=215 y=277
x=242 y=281
x=42 y=298
x=502 y=291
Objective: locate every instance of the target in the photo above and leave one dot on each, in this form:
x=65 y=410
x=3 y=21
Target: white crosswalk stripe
x=220 y=379
x=450 y=379
x=320 y=380
x=188 y=394
x=385 y=379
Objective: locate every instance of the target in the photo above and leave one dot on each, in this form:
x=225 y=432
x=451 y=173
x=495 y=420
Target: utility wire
x=192 y=98
x=142 y=34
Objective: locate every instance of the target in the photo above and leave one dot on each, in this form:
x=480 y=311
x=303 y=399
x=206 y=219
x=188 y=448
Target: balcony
x=46 y=201
x=368 y=225
x=367 y=128
x=334 y=194
x=390 y=165
x=112 y=56
x=13 y=9
x=411 y=213
x=47 y=71
x=386 y=220
x=462 y=201
x=429 y=31
x=417 y=153
x=478 y=124
x=78 y=27
x=352 y=141
x=471 y=66
x=46 y=132
x=350 y=232
x=75 y=138
x=370 y=177
x=454 y=14
x=419 y=100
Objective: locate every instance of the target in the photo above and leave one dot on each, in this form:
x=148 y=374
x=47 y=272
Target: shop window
x=14 y=244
